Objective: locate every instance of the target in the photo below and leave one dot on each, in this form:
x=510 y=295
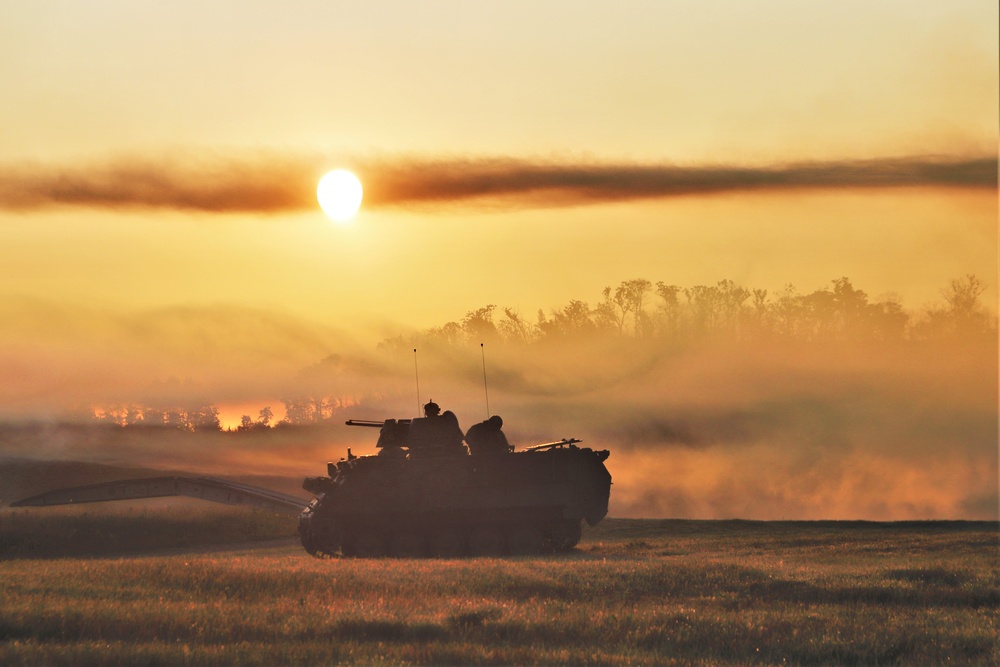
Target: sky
x=259 y=92
x=159 y=164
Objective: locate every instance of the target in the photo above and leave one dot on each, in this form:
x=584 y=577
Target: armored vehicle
x=424 y=493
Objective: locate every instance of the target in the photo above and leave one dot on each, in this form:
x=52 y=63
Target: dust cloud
x=706 y=427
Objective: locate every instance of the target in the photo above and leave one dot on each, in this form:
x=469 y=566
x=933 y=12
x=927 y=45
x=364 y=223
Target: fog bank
x=711 y=428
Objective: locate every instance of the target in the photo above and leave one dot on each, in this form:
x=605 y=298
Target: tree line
x=634 y=309
x=641 y=309
x=198 y=417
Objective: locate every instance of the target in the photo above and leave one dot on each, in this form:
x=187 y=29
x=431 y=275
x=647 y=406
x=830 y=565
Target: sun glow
x=339 y=193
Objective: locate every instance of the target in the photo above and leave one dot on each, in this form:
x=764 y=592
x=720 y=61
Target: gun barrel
x=549 y=445
x=365 y=422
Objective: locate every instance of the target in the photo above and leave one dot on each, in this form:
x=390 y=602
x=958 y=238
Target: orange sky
x=121 y=119
x=157 y=230
x=744 y=84
x=755 y=81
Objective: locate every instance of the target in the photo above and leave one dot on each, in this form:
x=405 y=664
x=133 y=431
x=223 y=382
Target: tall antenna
x=485 y=385
x=416 y=374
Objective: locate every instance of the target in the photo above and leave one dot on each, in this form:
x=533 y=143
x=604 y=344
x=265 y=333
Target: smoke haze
x=708 y=429
x=269 y=184
x=163 y=254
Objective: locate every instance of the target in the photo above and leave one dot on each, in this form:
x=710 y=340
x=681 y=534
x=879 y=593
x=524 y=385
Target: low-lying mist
x=699 y=426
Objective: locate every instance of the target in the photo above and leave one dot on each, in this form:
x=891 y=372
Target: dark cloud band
x=287 y=183
x=554 y=184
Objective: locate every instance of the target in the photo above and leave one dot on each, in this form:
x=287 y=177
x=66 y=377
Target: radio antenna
x=416 y=374
x=486 y=387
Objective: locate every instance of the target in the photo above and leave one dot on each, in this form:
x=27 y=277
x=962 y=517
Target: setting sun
x=339 y=193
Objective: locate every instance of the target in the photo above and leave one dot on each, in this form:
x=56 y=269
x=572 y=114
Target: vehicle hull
x=457 y=505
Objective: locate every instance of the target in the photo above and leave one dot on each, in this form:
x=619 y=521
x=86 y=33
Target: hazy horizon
x=811 y=417
x=161 y=243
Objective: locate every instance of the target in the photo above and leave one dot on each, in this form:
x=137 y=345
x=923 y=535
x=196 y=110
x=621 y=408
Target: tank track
x=322 y=539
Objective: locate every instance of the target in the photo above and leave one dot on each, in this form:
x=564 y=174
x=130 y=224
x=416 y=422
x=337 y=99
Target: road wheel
x=321 y=545
x=407 y=544
x=318 y=532
x=485 y=541
x=524 y=540
x=368 y=544
x=565 y=535
x=447 y=543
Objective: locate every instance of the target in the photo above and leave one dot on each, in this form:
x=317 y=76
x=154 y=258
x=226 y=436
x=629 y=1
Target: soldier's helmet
x=495 y=422
x=432 y=409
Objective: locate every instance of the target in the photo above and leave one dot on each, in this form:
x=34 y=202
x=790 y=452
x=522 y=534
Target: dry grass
x=143 y=527
x=635 y=592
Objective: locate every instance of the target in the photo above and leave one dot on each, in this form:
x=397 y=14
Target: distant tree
x=298 y=410
x=617 y=305
x=637 y=290
x=478 y=325
x=175 y=418
x=731 y=302
x=133 y=415
x=153 y=416
x=572 y=320
x=625 y=299
x=204 y=417
x=450 y=333
x=718 y=309
x=760 y=313
x=515 y=329
x=670 y=307
x=817 y=316
x=262 y=423
x=964 y=316
x=705 y=304
x=320 y=408
x=787 y=311
x=962 y=296
x=838 y=312
x=396 y=344
x=851 y=308
x=888 y=320
x=114 y=415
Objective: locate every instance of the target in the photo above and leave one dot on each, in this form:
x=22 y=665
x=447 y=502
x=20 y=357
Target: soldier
x=392 y=439
x=452 y=433
x=486 y=437
x=435 y=433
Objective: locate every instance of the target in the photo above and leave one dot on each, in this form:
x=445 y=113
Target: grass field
x=633 y=592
